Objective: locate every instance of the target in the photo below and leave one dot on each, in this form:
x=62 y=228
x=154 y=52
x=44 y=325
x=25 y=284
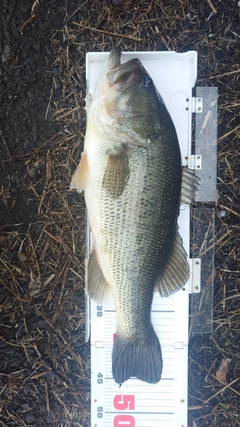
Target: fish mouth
x=121 y=76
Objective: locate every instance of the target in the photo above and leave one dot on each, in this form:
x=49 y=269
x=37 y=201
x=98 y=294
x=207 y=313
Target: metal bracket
x=197 y=105
x=195 y=276
x=196 y=162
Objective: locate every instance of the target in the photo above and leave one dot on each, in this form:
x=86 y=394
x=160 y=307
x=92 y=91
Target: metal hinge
x=197 y=105
x=179 y=345
x=99 y=344
x=195 y=162
x=195 y=276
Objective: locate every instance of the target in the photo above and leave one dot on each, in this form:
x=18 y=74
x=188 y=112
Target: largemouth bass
x=131 y=174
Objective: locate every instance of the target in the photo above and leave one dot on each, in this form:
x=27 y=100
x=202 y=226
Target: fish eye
x=146 y=81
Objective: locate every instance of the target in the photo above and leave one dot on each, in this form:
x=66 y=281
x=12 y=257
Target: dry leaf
x=222 y=371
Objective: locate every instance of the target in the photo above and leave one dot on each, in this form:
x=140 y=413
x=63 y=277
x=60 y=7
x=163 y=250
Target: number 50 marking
x=124 y=420
x=123 y=402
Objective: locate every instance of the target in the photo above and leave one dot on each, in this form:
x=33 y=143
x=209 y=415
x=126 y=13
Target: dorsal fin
x=190 y=184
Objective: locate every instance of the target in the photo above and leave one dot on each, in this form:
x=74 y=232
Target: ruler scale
x=136 y=403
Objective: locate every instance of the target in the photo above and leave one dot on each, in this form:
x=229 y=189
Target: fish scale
x=140 y=229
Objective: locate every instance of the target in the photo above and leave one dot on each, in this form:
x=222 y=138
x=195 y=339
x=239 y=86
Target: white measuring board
x=136 y=403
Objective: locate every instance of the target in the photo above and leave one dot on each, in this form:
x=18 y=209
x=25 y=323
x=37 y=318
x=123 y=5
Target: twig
x=37 y=150
x=212 y=7
x=212 y=375
x=226 y=299
x=79 y=8
x=27 y=22
x=44 y=362
x=224 y=74
x=39 y=374
x=65 y=114
x=13 y=373
x=50 y=99
x=228 y=133
x=47 y=398
x=110 y=33
x=10 y=69
x=235 y=34
x=164 y=42
x=4 y=141
x=35 y=5
x=230 y=210
x=222 y=389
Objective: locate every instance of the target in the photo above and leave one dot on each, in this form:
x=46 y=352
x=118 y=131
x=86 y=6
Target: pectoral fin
x=116 y=173
x=190 y=184
x=98 y=289
x=176 y=272
x=80 y=176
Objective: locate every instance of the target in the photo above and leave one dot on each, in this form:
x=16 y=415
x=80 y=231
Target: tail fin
x=139 y=358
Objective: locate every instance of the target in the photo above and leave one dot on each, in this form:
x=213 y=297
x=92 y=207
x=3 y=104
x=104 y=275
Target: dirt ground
x=45 y=363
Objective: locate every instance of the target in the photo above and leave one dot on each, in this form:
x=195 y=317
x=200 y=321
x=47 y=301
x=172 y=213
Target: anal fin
x=98 y=289
x=80 y=176
x=176 y=272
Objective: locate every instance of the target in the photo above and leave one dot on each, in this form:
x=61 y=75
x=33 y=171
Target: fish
x=132 y=177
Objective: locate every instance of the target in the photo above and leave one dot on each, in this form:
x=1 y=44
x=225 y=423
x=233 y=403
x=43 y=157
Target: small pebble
x=25 y=406
x=29 y=418
x=222 y=213
x=12 y=255
x=42 y=408
x=22 y=257
x=42 y=323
